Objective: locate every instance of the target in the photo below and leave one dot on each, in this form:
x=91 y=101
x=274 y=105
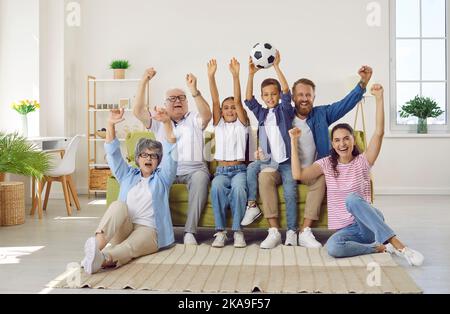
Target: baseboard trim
x=59 y=195
x=411 y=191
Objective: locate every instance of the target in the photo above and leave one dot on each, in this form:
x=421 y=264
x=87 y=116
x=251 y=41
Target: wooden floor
x=36 y=252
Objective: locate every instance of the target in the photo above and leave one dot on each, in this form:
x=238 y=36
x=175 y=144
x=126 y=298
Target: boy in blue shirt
x=274 y=123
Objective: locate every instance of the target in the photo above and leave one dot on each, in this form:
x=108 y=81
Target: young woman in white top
x=229 y=186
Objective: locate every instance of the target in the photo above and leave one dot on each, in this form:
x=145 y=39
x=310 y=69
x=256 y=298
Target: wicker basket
x=12 y=203
x=98 y=178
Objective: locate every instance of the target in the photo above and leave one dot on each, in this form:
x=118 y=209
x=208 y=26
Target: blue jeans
x=253 y=169
x=362 y=237
x=229 y=189
x=289 y=189
x=290 y=194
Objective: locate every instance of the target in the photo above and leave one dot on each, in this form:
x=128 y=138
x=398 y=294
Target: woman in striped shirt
x=361 y=228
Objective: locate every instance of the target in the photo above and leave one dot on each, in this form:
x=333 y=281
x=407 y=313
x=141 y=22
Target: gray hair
x=145 y=143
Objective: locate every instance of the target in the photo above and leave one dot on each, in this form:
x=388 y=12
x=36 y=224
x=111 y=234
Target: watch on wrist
x=196 y=95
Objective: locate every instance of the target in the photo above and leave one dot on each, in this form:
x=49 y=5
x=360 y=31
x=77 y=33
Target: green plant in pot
x=119 y=67
x=422 y=108
x=20 y=157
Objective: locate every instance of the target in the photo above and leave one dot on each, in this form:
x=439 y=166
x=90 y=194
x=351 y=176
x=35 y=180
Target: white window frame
x=412 y=128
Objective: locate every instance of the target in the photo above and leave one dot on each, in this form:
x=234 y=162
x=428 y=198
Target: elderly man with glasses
x=188 y=128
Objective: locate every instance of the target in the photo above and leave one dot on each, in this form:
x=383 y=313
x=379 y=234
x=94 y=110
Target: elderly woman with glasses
x=139 y=223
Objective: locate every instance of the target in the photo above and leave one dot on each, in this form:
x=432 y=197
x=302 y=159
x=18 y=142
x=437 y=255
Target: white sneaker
x=94 y=258
x=389 y=248
x=251 y=214
x=189 y=239
x=291 y=238
x=413 y=257
x=239 y=240
x=220 y=238
x=273 y=239
x=307 y=239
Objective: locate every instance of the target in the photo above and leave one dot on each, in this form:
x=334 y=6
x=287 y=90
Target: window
x=419 y=59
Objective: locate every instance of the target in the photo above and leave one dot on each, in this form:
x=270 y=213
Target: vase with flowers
x=24 y=107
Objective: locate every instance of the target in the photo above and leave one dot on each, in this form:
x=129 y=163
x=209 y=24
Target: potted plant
x=20 y=157
x=119 y=67
x=422 y=108
x=24 y=107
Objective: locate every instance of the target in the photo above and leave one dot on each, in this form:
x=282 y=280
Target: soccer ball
x=263 y=55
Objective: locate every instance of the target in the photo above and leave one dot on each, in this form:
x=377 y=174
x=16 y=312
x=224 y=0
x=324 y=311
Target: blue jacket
x=160 y=182
x=284 y=113
x=321 y=117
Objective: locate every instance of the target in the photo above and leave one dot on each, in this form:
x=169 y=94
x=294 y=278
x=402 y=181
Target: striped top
x=353 y=177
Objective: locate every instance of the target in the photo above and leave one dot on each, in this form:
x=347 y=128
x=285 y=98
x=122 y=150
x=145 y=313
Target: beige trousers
x=127 y=240
x=268 y=183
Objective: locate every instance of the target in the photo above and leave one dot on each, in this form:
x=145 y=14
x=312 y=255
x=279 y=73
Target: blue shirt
x=159 y=183
x=284 y=113
x=321 y=117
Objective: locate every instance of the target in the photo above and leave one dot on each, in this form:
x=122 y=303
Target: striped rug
x=284 y=269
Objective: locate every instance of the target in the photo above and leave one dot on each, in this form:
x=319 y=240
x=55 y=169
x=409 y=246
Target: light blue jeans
x=253 y=170
x=229 y=189
x=289 y=189
x=362 y=237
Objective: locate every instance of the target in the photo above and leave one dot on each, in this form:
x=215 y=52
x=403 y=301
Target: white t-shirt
x=231 y=140
x=306 y=148
x=140 y=204
x=190 y=142
x=277 y=146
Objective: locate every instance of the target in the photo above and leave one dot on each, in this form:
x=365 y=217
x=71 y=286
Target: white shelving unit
x=97 y=169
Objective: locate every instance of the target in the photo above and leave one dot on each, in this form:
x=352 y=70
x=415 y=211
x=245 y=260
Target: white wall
x=323 y=40
x=19 y=61
x=51 y=68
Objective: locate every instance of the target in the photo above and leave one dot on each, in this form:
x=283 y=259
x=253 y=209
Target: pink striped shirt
x=353 y=177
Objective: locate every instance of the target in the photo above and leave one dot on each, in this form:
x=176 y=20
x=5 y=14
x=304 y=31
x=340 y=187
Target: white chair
x=61 y=171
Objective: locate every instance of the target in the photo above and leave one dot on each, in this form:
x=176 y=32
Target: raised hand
x=377 y=90
x=252 y=68
x=365 y=72
x=295 y=133
x=149 y=74
x=212 y=67
x=161 y=114
x=234 y=67
x=116 y=116
x=276 y=62
x=191 y=82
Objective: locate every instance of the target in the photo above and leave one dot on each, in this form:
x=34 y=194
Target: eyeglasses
x=173 y=99
x=152 y=156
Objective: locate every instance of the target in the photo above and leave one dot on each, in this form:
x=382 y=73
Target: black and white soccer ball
x=263 y=55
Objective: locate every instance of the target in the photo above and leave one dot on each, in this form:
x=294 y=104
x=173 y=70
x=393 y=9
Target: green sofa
x=178 y=198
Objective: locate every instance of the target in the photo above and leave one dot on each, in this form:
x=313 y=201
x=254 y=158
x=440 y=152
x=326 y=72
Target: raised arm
x=212 y=68
x=140 y=109
x=340 y=108
x=118 y=166
x=202 y=106
x=241 y=113
x=252 y=69
x=281 y=77
x=299 y=173
x=374 y=147
x=115 y=116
